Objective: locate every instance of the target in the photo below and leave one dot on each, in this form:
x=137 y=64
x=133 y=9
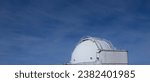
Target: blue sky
x=46 y=31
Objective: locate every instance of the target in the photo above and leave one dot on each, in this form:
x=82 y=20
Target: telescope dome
x=87 y=49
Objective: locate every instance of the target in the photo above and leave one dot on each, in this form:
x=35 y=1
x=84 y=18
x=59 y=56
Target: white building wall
x=113 y=57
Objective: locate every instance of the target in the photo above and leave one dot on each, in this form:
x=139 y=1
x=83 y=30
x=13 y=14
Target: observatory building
x=97 y=51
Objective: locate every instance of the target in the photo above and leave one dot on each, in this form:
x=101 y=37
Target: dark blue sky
x=46 y=31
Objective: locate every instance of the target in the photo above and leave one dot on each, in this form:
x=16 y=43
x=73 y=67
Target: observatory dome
x=88 y=48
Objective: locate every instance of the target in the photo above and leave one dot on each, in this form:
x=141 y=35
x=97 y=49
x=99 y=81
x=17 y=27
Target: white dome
x=87 y=49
